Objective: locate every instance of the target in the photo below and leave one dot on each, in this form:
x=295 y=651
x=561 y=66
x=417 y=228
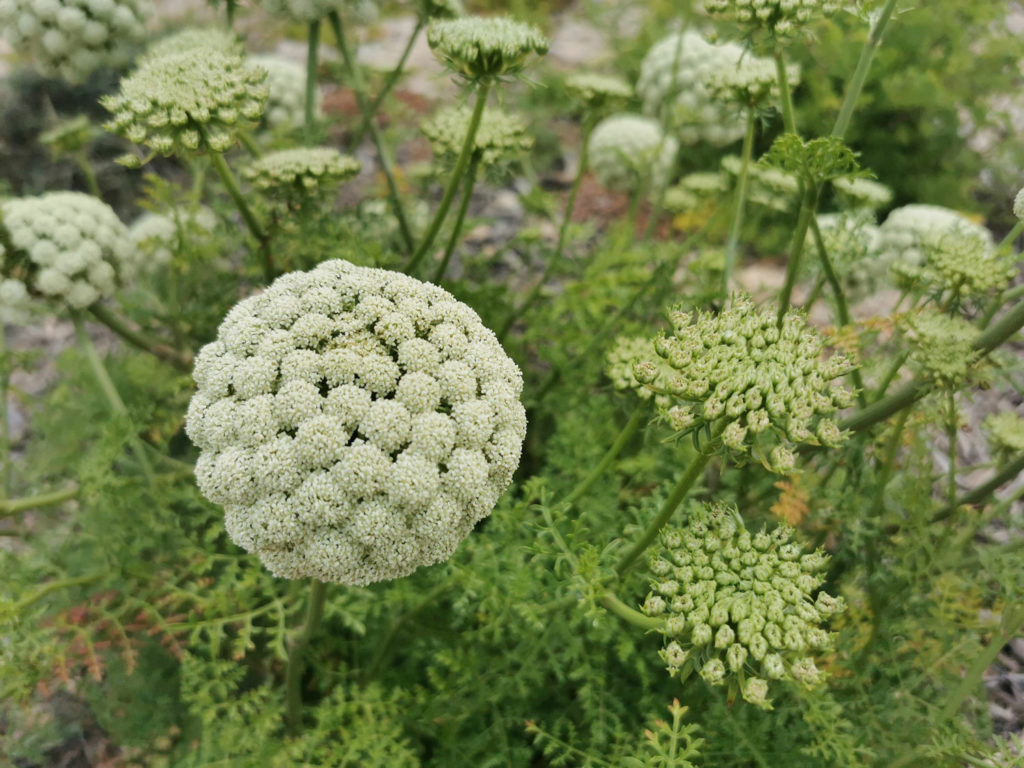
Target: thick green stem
x=11 y=507
x=629 y=615
x=220 y=165
x=461 y=166
x=741 y=202
x=785 y=96
x=109 y=390
x=230 y=12
x=635 y=422
x=983 y=491
x=808 y=205
x=693 y=473
x=180 y=360
x=383 y=157
x=312 y=60
x=563 y=234
x=297 y=657
x=86 y=169
x=460 y=216
x=860 y=74
x=393 y=78
x=1001 y=301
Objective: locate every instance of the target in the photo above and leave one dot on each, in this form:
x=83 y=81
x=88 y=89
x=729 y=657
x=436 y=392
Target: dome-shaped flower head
x=197 y=38
x=775 y=16
x=739 y=606
x=69 y=247
x=157 y=235
x=671 y=85
x=355 y=423
x=73 y=38
x=628 y=150
x=500 y=136
x=962 y=263
x=286 y=84
x=761 y=385
x=304 y=11
x=483 y=50
x=908 y=232
x=749 y=82
x=1005 y=434
x=596 y=91
x=628 y=352
x=941 y=347
x=297 y=176
x=183 y=102
x=860 y=193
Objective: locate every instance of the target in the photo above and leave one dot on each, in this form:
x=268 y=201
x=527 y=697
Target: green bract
x=73 y=38
x=294 y=176
x=500 y=134
x=777 y=16
x=183 y=102
x=484 y=50
x=738 y=607
x=355 y=423
x=627 y=150
x=737 y=369
x=69 y=247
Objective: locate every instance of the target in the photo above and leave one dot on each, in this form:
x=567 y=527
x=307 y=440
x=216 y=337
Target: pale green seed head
x=485 y=49
x=776 y=16
x=596 y=91
x=500 y=137
x=197 y=38
x=296 y=176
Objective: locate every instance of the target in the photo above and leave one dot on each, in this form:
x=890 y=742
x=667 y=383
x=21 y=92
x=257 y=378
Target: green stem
x=53 y=586
x=796 y=249
x=983 y=491
x=393 y=78
x=461 y=165
x=563 y=234
x=741 y=202
x=1012 y=235
x=460 y=217
x=951 y=434
x=785 y=96
x=312 y=54
x=383 y=157
x=1014 y=617
x=180 y=360
x=1001 y=301
x=678 y=496
x=109 y=390
x=297 y=657
x=11 y=507
x=860 y=74
x=250 y=145
x=629 y=615
x=7 y=476
x=635 y=422
x=887 y=379
x=255 y=228
x=86 y=169
x=230 y=12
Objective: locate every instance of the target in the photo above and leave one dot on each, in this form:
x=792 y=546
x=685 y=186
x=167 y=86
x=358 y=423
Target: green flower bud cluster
x=304 y=11
x=962 y=261
x=499 y=136
x=908 y=233
x=596 y=91
x=296 y=176
x=485 y=49
x=629 y=150
x=739 y=608
x=1005 y=434
x=183 y=102
x=851 y=241
x=738 y=369
x=672 y=86
x=777 y=16
x=197 y=38
x=355 y=423
x=941 y=347
x=69 y=247
x=157 y=235
x=860 y=193
x=286 y=84
x=750 y=82
x=73 y=38
x=770 y=187
x=442 y=9
x=627 y=352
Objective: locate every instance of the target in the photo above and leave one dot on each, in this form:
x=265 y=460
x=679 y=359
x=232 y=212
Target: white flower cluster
x=73 y=38
x=156 y=235
x=672 y=84
x=911 y=232
x=355 y=423
x=625 y=150
x=750 y=82
x=860 y=193
x=76 y=248
x=778 y=16
x=303 y=10
x=286 y=81
x=771 y=187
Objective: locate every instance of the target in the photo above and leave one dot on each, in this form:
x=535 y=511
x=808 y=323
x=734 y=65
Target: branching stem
x=467 y=195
